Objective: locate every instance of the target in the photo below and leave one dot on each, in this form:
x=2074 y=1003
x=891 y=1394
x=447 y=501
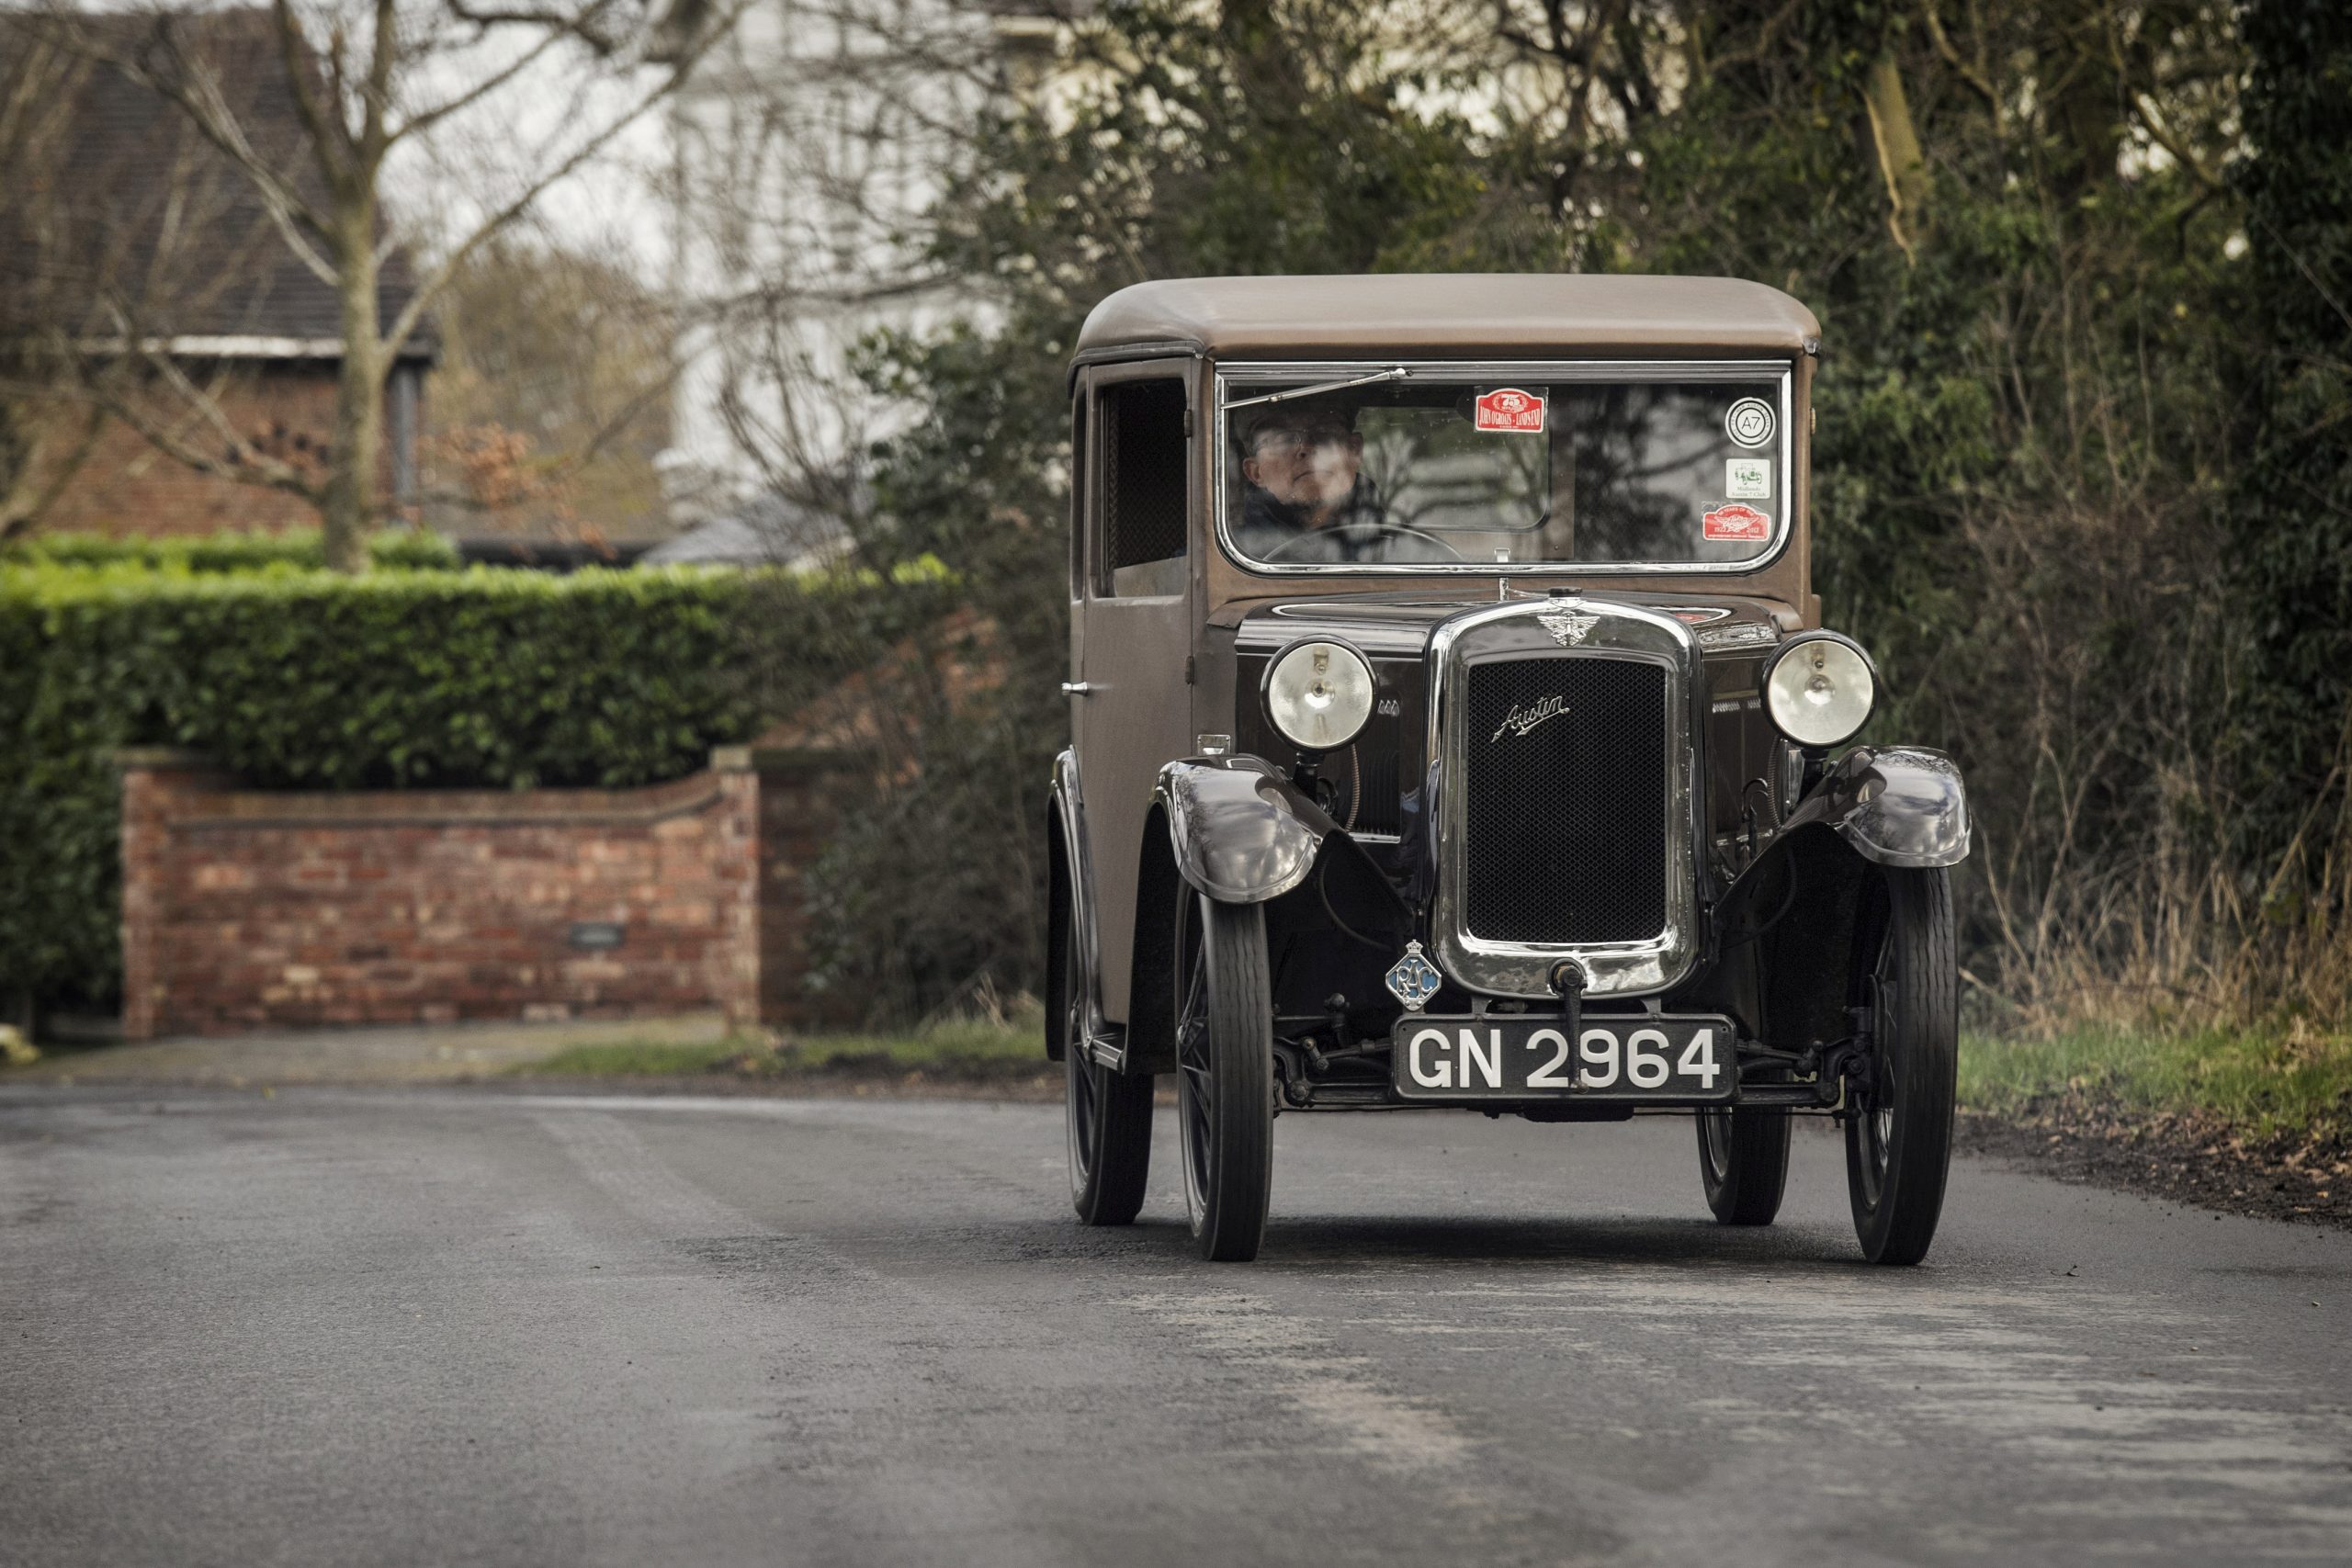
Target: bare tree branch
x=1975 y=78
x=195 y=87
x=327 y=141
x=489 y=86
x=433 y=282
x=2152 y=118
x=24 y=500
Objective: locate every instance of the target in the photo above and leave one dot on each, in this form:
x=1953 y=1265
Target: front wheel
x=1225 y=1083
x=1898 y=1130
x=1744 y=1164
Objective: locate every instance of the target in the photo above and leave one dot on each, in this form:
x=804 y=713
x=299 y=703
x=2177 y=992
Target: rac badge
x=1567 y=628
x=1415 y=979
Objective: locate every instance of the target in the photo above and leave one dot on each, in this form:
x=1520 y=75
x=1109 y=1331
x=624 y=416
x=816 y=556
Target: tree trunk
x=1900 y=162
x=351 y=497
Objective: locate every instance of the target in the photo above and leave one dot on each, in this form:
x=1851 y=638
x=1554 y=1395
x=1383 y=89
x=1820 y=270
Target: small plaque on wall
x=597 y=935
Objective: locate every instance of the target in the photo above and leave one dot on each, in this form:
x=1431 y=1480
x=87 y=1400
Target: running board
x=1106 y=1046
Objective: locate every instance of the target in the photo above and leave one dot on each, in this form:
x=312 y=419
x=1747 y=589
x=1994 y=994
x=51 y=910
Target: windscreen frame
x=1233 y=380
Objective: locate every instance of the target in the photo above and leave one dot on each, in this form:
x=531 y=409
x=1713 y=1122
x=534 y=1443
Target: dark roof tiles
x=132 y=211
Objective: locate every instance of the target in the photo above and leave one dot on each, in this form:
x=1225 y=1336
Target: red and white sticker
x=1738 y=522
x=1510 y=410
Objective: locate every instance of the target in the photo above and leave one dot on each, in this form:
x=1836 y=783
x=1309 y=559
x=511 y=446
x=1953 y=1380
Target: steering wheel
x=1400 y=530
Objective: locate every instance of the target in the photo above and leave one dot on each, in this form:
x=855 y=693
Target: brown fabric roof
x=1452 y=313
x=129 y=202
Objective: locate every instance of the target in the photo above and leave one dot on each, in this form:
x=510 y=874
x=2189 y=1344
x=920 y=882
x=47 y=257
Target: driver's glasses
x=1281 y=444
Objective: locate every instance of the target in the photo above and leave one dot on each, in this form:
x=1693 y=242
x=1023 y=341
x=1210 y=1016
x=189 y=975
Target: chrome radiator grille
x=1565 y=779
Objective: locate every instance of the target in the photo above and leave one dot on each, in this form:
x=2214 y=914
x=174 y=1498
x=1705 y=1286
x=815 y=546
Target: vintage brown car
x=1452 y=728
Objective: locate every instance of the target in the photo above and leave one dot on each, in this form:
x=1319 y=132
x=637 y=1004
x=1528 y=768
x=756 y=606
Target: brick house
x=127 y=222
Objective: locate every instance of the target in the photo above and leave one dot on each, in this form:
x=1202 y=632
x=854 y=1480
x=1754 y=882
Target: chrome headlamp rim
x=1789 y=647
x=1266 y=690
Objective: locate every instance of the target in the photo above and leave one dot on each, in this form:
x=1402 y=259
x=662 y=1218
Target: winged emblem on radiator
x=1567 y=627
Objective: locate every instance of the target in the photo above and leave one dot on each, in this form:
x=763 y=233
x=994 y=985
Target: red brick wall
x=249 y=908
x=127 y=487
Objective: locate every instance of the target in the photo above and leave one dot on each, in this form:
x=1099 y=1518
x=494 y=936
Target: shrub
x=408 y=549
x=312 y=680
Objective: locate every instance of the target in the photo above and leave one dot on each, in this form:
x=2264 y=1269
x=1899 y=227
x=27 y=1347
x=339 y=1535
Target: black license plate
x=1676 y=1056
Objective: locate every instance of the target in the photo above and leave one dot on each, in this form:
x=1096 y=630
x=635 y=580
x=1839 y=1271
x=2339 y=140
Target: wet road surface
x=450 y=1327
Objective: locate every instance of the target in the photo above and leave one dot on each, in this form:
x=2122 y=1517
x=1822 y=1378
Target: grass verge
x=2253 y=1122
x=2273 y=1084
x=962 y=1051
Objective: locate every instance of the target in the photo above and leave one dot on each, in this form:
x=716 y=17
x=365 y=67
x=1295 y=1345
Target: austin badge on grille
x=1415 y=979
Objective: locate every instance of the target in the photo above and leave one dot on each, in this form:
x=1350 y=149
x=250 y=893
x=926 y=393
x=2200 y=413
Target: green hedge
x=310 y=679
x=408 y=549
x=229 y=551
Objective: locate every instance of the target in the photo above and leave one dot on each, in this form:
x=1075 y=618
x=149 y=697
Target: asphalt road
x=440 y=1327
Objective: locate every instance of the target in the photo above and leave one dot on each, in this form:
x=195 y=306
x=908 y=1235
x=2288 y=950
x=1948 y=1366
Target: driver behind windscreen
x=1307 y=500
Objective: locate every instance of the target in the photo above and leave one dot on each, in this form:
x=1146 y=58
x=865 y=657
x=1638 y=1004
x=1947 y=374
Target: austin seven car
x=1454 y=729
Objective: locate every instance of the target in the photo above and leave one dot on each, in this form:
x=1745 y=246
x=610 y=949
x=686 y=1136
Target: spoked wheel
x=1108 y=1116
x=1744 y=1163
x=1224 y=1080
x=1898 y=1137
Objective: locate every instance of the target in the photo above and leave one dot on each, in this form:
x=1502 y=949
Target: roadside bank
x=2249 y=1121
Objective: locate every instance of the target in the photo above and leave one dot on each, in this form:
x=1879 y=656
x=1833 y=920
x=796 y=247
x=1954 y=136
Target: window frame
x=1081 y=482
x=1235 y=379
x=1101 y=576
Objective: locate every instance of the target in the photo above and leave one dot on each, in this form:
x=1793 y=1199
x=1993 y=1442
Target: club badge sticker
x=1738 y=524
x=1748 y=479
x=1510 y=411
x=1750 y=421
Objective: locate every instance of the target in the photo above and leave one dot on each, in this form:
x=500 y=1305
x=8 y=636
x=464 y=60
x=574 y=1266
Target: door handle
x=1076 y=688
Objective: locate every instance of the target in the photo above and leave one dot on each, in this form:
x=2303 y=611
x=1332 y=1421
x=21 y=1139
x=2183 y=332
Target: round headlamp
x=1819 y=688
x=1319 y=693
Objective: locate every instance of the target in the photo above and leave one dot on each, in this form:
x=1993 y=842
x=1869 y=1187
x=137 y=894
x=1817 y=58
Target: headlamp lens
x=1820 y=691
x=1318 y=694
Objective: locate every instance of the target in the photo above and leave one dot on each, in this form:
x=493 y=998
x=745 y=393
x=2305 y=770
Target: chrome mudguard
x=1898 y=805
x=1242 y=833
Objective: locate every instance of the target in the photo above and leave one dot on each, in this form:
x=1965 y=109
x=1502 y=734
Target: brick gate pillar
x=784 y=802
x=153 y=778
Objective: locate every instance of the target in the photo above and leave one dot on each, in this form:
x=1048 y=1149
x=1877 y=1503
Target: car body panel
x=1132 y=711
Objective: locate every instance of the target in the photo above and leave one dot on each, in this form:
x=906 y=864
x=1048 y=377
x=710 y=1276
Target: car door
x=1132 y=632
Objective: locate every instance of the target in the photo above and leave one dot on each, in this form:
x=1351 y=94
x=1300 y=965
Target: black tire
x=1744 y=1164
x=1108 y=1115
x=1898 y=1140
x=1225 y=1076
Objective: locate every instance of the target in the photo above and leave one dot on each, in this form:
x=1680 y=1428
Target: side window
x=1141 y=431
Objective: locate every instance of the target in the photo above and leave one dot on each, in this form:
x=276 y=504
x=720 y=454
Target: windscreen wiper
x=1394 y=373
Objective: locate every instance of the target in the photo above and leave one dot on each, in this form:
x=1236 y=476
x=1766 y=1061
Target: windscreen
x=1432 y=469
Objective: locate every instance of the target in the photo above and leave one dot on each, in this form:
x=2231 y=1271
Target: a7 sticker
x=1750 y=421
x=1738 y=522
